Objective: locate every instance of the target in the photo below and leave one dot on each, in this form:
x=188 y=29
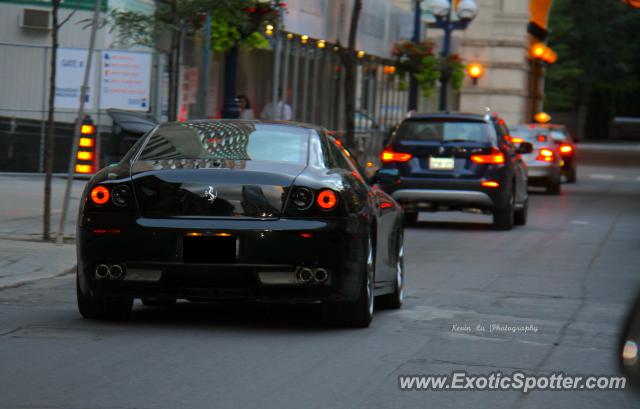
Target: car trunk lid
x=212 y=189
x=442 y=159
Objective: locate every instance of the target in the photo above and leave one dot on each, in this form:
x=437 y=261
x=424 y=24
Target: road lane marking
x=602 y=176
x=581 y=222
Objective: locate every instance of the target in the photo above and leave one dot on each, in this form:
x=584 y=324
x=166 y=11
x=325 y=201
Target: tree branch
x=66 y=19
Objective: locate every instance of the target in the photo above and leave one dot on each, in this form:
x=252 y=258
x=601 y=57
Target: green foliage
x=598 y=52
x=223 y=35
x=453 y=63
x=232 y=22
x=428 y=74
x=133 y=28
x=255 y=40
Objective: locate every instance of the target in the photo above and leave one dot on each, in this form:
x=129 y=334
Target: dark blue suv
x=455 y=161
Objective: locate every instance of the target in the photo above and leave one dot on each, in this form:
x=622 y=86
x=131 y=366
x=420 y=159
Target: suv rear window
x=446 y=131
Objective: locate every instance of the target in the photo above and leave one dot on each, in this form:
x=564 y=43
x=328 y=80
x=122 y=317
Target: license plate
x=210 y=249
x=441 y=163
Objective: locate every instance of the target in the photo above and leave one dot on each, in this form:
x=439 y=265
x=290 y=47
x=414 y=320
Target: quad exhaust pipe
x=102 y=271
x=305 y=275
x=110 y=272
x=116 y=272
x=320 y=275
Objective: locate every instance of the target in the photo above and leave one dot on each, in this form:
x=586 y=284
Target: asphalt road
x=571 y=273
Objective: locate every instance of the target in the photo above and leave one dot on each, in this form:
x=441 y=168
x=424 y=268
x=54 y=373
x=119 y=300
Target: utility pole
x=446 y=50
x=50 y=142
x=230 y=107
x=76 y=136
x=417 y=36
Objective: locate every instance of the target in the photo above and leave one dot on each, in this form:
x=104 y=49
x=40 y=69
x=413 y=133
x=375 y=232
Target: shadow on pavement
x=449 y=225
x=237 y=315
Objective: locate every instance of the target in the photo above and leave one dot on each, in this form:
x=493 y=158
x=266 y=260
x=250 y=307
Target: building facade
x=497 y=38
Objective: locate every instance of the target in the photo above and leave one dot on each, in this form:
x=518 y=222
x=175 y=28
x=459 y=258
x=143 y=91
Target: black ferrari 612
x=230 y=209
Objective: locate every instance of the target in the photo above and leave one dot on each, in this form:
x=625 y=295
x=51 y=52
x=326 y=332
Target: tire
x=153 y=302
x=103 y=308
x=410 y=218
x=503 y=218
x=360 y=312
x=572 y=175
x=520 y=216
x=553 y=187
x=395 y=299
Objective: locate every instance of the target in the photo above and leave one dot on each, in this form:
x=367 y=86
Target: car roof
x=449 y=115
x=543 y=126
x=249 y=121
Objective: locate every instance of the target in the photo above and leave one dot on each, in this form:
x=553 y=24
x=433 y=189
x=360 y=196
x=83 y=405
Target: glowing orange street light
x=475 y=71
x=633 y=3
x=542 y=117
x=389 y=69
x=538 y=50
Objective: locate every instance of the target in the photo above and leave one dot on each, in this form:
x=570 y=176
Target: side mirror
x=628 y=352
x=386 y=177
x=524 y=148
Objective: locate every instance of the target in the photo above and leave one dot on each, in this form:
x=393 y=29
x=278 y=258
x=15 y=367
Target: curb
x=23 y=282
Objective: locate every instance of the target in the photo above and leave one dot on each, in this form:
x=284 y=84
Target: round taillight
x=120 y=195
x=327 y=199
x=302 y=198
x=100 y=195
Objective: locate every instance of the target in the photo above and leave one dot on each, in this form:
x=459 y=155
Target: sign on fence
x=70 y=63
x=125 y=80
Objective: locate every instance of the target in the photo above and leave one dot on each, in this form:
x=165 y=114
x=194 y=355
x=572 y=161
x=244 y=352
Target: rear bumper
x=462 y=197
x=441 y=194
x=542 y=172
x=269 y=255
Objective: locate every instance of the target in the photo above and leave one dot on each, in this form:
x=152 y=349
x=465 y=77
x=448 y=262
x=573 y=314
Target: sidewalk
x=23 y=256
x=23 y=261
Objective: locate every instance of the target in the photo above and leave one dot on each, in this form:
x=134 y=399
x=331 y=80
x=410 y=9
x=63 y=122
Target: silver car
x=545 y=162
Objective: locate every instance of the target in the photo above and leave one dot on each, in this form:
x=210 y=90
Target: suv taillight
x=388 y=155
x=494 y=158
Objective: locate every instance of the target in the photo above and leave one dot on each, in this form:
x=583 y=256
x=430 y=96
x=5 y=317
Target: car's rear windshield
x=446 y=131
x=530 y=134
x=558 y=135
x=228 y=140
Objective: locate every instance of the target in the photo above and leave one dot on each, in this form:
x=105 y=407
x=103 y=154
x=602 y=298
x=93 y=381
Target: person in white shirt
x=281 y=111
x=245 y=107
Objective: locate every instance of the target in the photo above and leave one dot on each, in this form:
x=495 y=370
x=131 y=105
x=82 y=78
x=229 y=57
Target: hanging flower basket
x=453 y=67
x=420 y=60
x=245 y=26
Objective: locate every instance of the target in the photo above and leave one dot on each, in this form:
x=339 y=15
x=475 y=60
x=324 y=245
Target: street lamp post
x=442 y=10
x=413 y=82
